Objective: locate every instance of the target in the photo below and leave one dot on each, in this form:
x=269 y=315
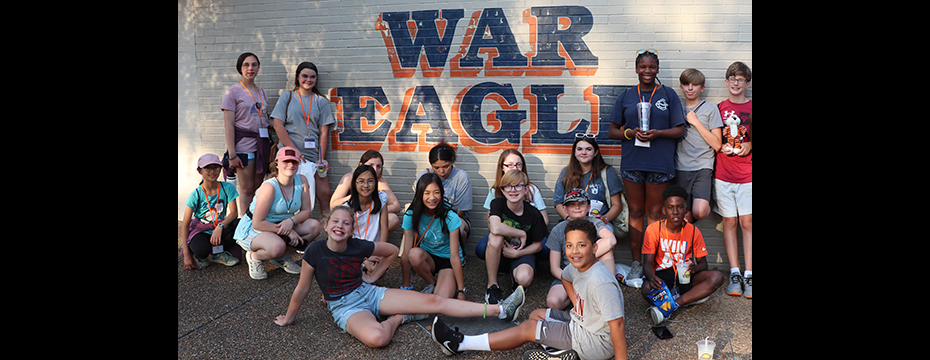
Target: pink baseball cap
x=288 y=153
x=208 y=159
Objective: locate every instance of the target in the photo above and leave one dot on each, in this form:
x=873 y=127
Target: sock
x=748 y=274
x=734 y=270
x=475 y=342
x=502 y=315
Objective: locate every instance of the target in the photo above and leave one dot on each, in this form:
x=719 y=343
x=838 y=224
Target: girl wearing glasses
x=302 y=119
x=646 y=170
x=511 y=159
x=245 y=119
x=343 y=190
x=431 y=241
x=587 y=170
x=367 y=202
x=517 y=232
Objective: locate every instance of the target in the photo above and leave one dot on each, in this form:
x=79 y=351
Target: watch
x=460 y=291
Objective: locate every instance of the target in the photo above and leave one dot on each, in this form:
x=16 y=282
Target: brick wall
x=414 y=66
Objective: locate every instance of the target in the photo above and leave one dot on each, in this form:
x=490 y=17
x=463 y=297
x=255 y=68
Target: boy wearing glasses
x=733 y=175
x=516 y=234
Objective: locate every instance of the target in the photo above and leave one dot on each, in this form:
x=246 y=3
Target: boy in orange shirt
x=671 y=241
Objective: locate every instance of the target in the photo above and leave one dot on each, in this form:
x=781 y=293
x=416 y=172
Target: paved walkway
x=224 y=314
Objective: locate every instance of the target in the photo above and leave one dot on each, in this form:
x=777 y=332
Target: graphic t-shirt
x=531 y=221
x=670 y=248
x=733 y=168
x=599 y=301
x=338 y=273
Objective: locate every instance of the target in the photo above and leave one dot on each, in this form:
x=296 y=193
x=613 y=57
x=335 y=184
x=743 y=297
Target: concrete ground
x=224 y=314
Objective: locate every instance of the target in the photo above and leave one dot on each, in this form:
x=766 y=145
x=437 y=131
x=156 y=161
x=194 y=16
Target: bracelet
x=624 y=134
x=406 y=287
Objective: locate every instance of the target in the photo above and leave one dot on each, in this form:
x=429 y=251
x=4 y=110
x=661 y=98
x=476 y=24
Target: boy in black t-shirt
x=516 y=234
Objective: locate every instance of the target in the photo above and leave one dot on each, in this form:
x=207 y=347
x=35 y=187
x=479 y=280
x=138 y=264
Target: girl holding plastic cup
x=302 y=119
x=648 y=165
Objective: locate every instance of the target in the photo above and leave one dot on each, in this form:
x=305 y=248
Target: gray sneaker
x=747 y=287
x=735 y=287
x=256 y=267
x=413 y=317
x=510 y=307
x=287 y=263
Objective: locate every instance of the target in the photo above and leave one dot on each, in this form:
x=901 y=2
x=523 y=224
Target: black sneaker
x=539 y=354
x=494 y=295
x=447 y=339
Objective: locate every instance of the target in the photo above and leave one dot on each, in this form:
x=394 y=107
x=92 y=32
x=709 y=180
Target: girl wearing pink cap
x=278 y=220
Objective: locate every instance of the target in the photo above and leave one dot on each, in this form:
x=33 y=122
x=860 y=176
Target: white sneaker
x=287 y=263
x=256 y=267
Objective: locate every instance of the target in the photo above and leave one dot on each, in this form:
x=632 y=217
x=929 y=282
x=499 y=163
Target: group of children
x=363 y=211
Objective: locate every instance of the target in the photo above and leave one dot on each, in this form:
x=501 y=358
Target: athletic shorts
x=733 y=199
x=555 y=331
x=699 y=184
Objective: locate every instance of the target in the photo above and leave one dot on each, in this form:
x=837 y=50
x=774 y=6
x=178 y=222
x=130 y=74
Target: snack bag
x=662 y=299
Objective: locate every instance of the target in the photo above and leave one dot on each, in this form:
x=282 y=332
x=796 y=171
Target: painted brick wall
x=498 y=60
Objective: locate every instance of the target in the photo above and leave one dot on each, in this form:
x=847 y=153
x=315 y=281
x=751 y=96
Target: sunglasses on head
x=643 y=51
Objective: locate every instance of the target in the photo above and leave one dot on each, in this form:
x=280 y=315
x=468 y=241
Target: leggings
x=200 y=244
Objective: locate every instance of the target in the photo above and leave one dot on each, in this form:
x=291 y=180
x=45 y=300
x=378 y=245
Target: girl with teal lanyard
x=278 y=220
x=302 y=119
x=646 y=170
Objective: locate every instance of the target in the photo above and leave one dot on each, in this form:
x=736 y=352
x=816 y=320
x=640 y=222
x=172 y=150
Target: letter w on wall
x=422 y=37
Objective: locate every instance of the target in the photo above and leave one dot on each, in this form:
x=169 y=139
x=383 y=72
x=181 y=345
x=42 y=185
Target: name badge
x=309 y=143
x=263 y=132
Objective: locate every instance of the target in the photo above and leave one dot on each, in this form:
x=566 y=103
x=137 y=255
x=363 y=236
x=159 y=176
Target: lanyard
x=306 y=115
x=367 y=222
x=417 y=241
x=258 y=105
x=212 y=209
x=650 y=96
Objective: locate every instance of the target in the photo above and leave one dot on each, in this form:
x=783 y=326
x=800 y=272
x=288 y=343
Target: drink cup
x=684 y=274
x=642 y=112
x=321 y=169
x=705 y=349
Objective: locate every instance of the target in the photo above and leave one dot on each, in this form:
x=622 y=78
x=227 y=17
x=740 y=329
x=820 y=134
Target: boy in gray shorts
x=593 y=329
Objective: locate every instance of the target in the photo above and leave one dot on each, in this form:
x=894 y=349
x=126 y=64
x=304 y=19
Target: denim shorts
x=365 y=297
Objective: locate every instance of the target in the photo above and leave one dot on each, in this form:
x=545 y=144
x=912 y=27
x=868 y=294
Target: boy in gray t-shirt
x=577 y=205
x=593 y=329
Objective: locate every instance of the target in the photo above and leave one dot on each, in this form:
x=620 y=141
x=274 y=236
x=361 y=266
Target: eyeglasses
x=737 y=80
x=643 y=51
x=513 y=166
x=517 y=187
x=369 y=182
x=212 y=168
x=583 y=135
